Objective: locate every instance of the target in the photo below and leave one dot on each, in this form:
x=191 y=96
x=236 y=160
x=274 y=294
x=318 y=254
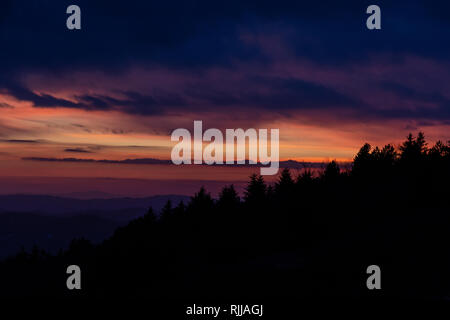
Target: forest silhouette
x=308 y=235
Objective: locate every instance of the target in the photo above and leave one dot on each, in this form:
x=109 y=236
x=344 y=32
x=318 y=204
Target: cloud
x=201 y=94
x=135 y=102
x=126 y=161
x=291 y=93
x=5 y=105
x=20 y=141
x=267 y=94
x=132 y=102
x=225 y=57
x=204 y=33
x=43 y=100
x=406 y=92
x=77 y=150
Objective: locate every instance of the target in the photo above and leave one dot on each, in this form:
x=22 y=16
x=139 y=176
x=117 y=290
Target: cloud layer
x=139 y=69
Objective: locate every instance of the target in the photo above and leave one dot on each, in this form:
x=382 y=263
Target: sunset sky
x=140 y=69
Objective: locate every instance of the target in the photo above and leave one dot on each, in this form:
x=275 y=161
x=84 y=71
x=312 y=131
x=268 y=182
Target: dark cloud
x=43 y=100
x=20 y=141
x=134 y=102
x=126 y=161
x=5 y=105
x=259 y=92
x=427 y=105
x=290 y=93
x=193 y=34
x=271 y=93
x=419 y=96
x=77 y=150
x=196 y=36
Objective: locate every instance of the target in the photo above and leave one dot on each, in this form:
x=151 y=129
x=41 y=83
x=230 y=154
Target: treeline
x=310 y=234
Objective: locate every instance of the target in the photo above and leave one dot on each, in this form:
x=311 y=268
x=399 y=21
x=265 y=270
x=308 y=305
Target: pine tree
x=228 y=197
x=285 y=182
x=256 y=189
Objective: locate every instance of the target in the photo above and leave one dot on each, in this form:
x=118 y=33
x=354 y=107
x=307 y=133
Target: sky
x=137 y=70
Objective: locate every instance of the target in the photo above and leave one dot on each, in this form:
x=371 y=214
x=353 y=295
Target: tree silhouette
x=413 y=150
x=285 y=183
x=362 y=161
x=256 y=190
x=332 y=172
x=228 y=198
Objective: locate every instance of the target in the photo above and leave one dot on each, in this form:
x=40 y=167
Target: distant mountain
x=52 y=222
x=291 y=164
x=94 y=194
x=50 y=233
x=118 y=209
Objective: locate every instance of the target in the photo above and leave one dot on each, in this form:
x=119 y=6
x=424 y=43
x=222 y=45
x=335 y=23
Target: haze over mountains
x=94 y=207
x=291 y=164
x=52 y=222
x=65 y=206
